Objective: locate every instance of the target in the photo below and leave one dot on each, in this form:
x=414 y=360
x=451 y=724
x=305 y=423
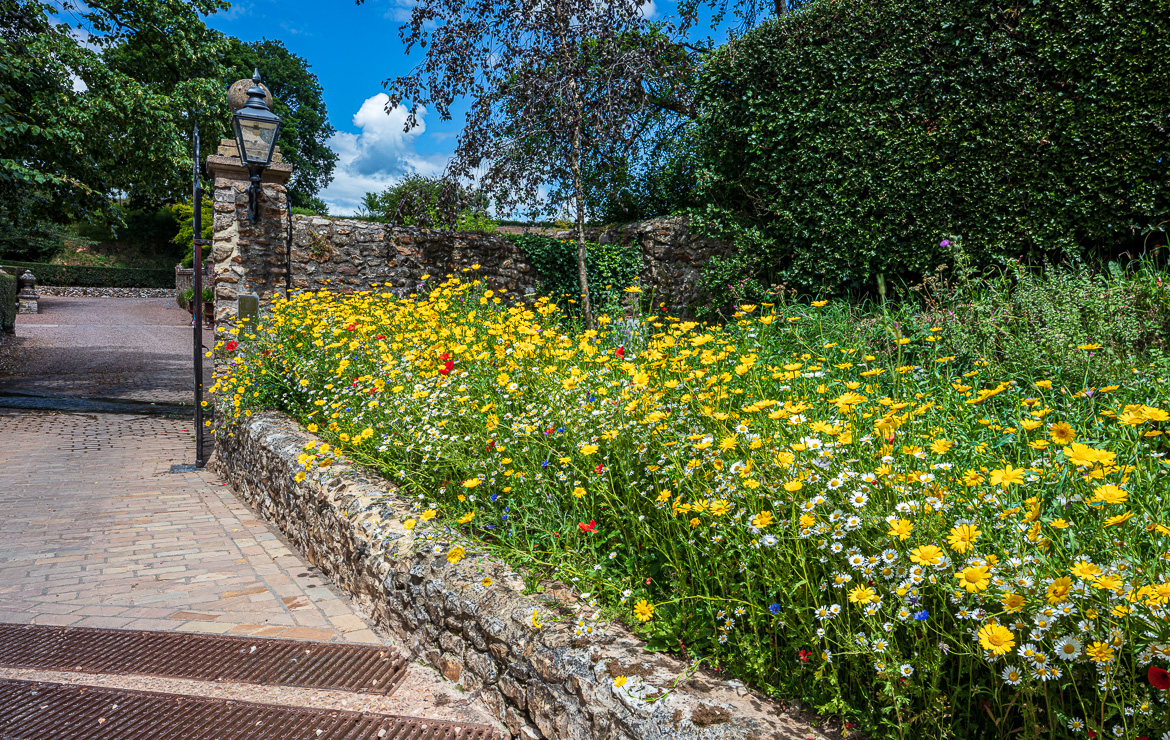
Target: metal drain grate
x=318 y=665
x=31 y=710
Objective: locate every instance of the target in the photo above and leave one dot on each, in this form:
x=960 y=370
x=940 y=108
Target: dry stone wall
x=472 y=620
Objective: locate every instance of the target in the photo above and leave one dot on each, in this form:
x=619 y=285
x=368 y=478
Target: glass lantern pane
x=256 y=138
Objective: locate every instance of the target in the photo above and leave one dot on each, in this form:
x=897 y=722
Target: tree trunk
x=781 y=7
x=579 y=194
x=578 y=189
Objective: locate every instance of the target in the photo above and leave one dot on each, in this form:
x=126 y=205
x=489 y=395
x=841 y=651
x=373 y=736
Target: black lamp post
x=256 y=129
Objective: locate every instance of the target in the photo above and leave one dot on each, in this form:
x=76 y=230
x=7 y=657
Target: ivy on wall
x=611 y=268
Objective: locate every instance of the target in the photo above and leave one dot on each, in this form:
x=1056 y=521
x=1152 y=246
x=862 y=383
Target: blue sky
x=352 y=49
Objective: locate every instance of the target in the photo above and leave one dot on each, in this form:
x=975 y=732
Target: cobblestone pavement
x=96 y=531
x=124 y=348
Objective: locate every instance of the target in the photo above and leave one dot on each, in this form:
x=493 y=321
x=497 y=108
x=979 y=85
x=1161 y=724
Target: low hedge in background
x=7 y=303
x=93 y=277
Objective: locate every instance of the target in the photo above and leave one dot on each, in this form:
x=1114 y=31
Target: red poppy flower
x=803 y=654
x=231 y=346
x=1159 y=678
x=445 y=356
x=621 y=352
x=590 y=527
x=599 y=468
x=448 y=366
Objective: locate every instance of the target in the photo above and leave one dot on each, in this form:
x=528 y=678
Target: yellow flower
x=466 y=517
x=862 y=595
x=901 y=529
x=1007 y=476
x=1084 y=456
x=578 y=492
x=1012 y=602
x=620 y=681
x=1058 y=590
x=1044 y=384
x=963 y=537
x=996 y=639
x=486 y=582
x=1086 y=570
x=926 y=555
x=299 y=476
x=763 y=519
x=941 y=446
x=1109 y=494
x=820 y=304
x=720 y=507
x=1114 y=521
x=643 y=610
x=536 y=619
x=1062 y=433
x=588 y=450
x=471 y=482
x=427 y=515
x=1088 y=347
x=455 y=554
x=974 y=578
x=409 y=524
x=1100 y=652
x=793 y=486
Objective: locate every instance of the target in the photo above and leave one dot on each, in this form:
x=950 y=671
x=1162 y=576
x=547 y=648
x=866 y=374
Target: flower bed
x=867 y=534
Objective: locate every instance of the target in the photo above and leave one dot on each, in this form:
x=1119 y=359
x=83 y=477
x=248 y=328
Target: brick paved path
x=125 y=348
x=96 y=531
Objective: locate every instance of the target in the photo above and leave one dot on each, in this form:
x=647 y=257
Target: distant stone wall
x=473 y=620
x=348 y=255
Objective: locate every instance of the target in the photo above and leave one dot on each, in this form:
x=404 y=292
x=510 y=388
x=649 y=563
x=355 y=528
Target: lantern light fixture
x=256 y=128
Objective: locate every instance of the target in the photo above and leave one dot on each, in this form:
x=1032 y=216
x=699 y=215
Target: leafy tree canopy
x=77 y=125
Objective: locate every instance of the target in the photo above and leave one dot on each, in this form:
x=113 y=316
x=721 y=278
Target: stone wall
x=672 y=257
x=472 y=620
x=350 y=255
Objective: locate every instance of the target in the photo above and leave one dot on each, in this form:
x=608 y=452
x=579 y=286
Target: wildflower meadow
x=898 y=538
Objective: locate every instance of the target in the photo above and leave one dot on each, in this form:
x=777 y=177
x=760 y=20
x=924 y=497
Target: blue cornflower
x=774 y=608
x=591 y=398
x=560 y=430
x=922 y=615
x=544 y=465
x=495 y=496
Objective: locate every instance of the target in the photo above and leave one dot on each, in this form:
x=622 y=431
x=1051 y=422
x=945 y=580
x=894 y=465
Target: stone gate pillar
x=249 y=258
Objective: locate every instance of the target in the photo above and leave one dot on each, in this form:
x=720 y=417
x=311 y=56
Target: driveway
x=102 y=350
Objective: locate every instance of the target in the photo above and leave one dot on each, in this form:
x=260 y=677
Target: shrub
x=94 y=277
x=428 y=202
x=855 y=136
x=903 y=540
x=8 y=303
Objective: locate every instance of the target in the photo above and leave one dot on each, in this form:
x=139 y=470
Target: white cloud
x=382 y=154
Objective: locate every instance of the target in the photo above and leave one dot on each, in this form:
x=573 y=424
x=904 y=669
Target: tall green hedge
x=7 y=303
x=93 y=277
x=854 y=136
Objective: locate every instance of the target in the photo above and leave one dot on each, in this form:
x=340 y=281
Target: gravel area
x=420 y=695
x=81 y=292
